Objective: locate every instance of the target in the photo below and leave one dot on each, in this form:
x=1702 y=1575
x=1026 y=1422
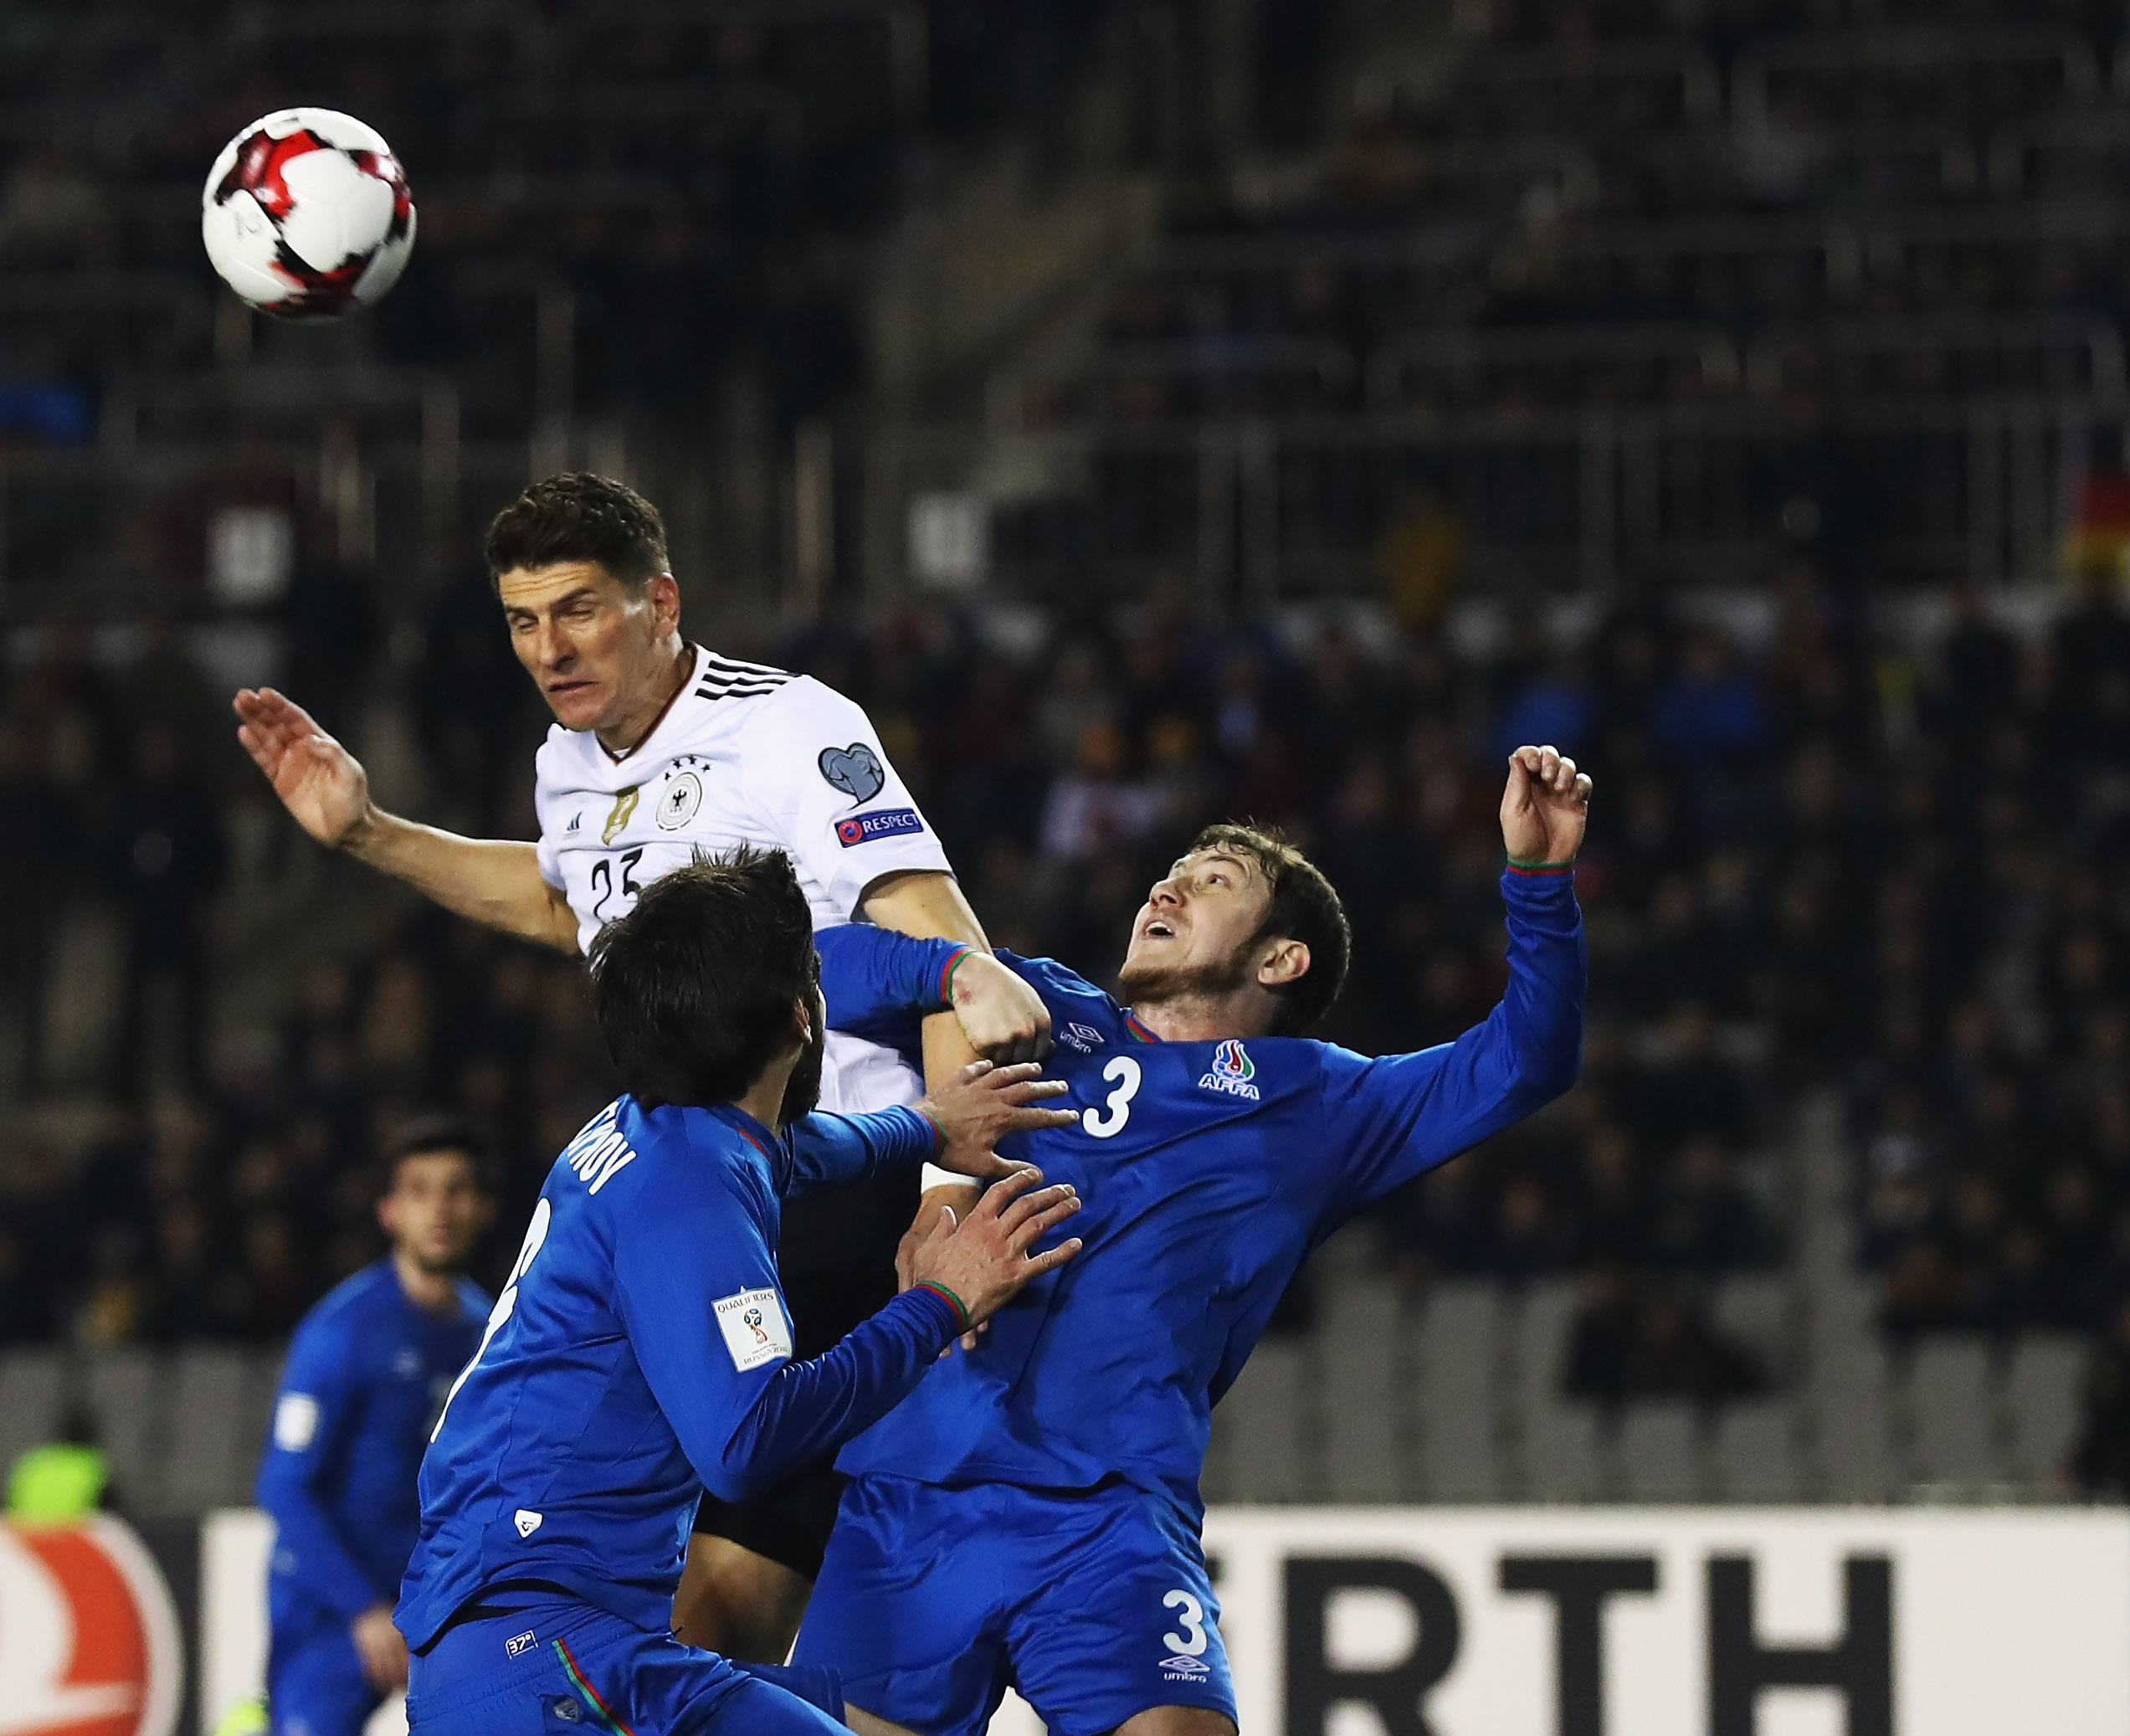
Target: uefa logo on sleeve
x=88 y=1642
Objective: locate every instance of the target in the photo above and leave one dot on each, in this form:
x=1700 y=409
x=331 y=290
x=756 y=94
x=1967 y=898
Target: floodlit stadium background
x=1157 y=410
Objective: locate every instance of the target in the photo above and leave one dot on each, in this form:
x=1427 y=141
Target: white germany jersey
x=745 y=754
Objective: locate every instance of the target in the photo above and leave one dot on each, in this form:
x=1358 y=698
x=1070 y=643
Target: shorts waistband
x=473 y=1659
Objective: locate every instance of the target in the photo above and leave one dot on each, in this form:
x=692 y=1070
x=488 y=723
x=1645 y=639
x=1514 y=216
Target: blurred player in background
x=661 y=749
x=366 y=1371
x=1031 y=1513
x=642 y=1350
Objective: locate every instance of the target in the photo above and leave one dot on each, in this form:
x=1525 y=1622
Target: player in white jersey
x=660 y=749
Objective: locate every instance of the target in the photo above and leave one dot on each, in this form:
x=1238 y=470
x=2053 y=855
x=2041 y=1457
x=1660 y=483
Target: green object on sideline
x=247 y=1717
x=56 y=1485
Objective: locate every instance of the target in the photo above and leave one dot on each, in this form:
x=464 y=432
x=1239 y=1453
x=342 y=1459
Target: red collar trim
x=1133 y=1025
x=687 y=682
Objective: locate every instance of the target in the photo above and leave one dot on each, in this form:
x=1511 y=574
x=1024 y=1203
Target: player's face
x=596 y=648
x=435 y=1211
x=1196 y=929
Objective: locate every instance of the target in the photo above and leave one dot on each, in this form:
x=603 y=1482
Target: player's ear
x=1285 y=961
x=665 y=602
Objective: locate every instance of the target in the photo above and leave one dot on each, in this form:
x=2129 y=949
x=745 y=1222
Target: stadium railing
x=1271 y=506
x=1845 y=61
x=1677 y=65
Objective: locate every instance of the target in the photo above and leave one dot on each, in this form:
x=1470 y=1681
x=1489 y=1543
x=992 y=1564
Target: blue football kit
x=366 y=1371
x=640 y=1353
x=1030 y=1515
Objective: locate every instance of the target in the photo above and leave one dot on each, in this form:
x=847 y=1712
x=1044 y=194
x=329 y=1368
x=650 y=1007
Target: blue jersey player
x=365 y=1372
x=641 y=1351
x=1031 y=1515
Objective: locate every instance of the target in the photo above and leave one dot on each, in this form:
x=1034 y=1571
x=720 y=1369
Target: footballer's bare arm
x=494 y=882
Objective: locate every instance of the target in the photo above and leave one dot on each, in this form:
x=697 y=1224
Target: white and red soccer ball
x=306 y=214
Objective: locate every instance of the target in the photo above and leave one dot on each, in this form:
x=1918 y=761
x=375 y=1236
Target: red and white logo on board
x=88 y=1642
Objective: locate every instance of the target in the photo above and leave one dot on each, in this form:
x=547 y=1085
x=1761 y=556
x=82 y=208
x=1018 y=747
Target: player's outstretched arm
x=1391 y=1119
x=745 y=1416
x=493 y=882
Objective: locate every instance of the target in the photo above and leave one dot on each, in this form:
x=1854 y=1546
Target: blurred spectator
x=164 y=859
x=39 y=865
x=2101 y=1463
x=1634 y=1342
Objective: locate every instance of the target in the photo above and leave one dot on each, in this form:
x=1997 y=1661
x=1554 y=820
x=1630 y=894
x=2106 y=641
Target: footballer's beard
x=1150 y=984
x=802 y=1090
x=431 y=1264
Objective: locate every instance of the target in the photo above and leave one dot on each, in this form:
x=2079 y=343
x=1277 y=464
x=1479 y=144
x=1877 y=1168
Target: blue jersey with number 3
x=1209 y=1171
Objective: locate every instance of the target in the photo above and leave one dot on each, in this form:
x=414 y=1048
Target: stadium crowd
x=1822 y=853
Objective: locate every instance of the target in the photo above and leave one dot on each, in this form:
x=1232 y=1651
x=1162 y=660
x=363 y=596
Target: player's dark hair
x=1304 y=908
x=694 y=988
x=579 y=516
x=425 y=1135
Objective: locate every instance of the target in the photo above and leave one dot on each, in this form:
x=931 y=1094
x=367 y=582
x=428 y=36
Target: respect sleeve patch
x=884 y=822
x=295 y=1422
x=756 y=1331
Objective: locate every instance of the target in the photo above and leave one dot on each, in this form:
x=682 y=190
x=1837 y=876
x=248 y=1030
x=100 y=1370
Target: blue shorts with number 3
x=1093 y=1604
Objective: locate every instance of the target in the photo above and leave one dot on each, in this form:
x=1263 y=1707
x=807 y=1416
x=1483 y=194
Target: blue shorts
x=1095 y=1604
x=566 y=1669
x=314 y=1684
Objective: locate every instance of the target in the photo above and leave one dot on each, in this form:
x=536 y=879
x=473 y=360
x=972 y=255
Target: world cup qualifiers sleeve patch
x=295 y=1422
x=855 y=770
x=756 y=1331
x=871 y=828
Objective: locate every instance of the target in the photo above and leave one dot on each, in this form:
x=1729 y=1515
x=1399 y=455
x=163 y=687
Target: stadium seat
x=1953 y=1409
x=1535 y=1330
x=1561 y=1444
x=126 y=1395
x=1362 y=1334
x=2042 y=1396
x=1848 y=1406
x=1258 y=1432
x=32 y=1392
x=1661 y=1451
x=1756 y=1452
x=1757 y=1308
x=220 y=1397
x=1460 y=1359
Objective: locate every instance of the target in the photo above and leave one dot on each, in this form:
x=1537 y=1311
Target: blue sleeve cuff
x=907 y=1135
x=1538 y=888
x=930 y=1303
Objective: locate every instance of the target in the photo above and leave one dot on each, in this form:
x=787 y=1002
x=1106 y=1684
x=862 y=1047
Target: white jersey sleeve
x=544 y=851
x=817 y=775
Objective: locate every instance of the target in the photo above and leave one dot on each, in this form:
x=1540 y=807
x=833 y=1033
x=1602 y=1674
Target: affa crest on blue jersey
x=1233 y=1071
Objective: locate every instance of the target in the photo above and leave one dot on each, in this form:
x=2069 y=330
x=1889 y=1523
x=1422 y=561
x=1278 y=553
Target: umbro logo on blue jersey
x=1233 y=1071
x=1083 y=1037
x=1177 y=1667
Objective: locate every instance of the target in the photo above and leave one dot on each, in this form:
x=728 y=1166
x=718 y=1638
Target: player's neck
x=1194 y=1017
x=765 y=1098
x=431 y=1292
x=657 y=698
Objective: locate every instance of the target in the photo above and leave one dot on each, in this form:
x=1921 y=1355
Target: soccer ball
x=306 y=215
